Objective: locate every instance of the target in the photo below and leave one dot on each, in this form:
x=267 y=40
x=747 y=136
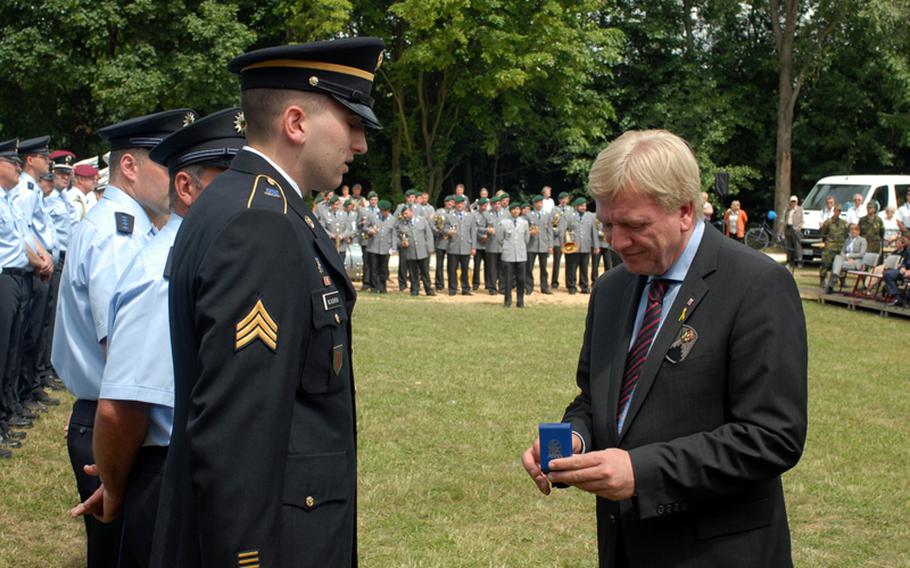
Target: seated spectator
x=901 y=273
x=892 y=229
x=735 y=220
x=850 y=257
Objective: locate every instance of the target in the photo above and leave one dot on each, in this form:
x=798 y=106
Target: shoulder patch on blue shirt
x=124 y=223
x=31 y=185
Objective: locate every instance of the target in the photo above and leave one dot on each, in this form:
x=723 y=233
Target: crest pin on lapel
x=682 y=345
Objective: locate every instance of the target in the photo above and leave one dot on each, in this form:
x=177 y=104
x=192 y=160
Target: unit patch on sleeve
x=257 y=324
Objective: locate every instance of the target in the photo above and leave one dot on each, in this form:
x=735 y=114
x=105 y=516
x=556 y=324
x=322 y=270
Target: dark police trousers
x=103 y=538
x=140 y=507
x=15 y=291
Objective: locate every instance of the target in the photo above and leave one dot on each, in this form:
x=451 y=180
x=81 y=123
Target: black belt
x=17 y=272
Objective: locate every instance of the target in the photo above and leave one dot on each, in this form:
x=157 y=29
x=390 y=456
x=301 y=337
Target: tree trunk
x=395 y=173
x=786 y=99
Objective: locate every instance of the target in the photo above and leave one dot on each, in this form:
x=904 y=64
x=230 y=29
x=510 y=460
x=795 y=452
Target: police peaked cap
x=10 y=150
x=210 y=141
x=341 y=68
x=34 y=146
x=146 y=131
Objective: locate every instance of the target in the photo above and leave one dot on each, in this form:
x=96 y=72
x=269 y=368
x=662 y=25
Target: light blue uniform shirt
x=42 y=224
x=13 y=231
x=139 y=365
x=674 y=276
x=98 y=255
x=23 y=196
x=60 y=211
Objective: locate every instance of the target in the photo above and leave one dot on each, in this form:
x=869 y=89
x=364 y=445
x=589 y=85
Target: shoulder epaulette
x=124 y=223
x=267 y=194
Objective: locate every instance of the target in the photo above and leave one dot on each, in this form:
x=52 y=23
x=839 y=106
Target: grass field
x=449 y=395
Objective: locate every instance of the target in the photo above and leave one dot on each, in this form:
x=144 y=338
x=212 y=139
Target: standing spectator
x=855 y=211
x=903 y=215
x=828 y=211
x=892 y=228
x=871 y=228
x=735 y=220
x=793 y=225
x=707 y=208
x=548 y=203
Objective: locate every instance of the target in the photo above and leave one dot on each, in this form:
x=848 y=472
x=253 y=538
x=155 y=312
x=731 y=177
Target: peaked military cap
x=146 y=131
x=62 y=160
x=10 y=150
x=579 y=201
x=210 y=141
x=341 y=68
x=34 y=146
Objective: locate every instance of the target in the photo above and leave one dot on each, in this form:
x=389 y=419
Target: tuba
x=570 y=246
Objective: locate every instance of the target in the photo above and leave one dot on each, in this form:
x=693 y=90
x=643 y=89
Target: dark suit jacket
x=262 y=456
x=708 y=436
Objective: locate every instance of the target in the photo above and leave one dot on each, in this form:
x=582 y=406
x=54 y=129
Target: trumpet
x=554 y=222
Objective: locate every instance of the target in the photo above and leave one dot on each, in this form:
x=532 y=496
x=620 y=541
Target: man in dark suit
x=692 y=376
x=261 y=469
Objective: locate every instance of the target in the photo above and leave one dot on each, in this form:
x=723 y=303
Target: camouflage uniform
x=872 y=229
x=834 y=233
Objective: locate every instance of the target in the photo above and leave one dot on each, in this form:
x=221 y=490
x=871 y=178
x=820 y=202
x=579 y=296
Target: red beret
x=85 y=170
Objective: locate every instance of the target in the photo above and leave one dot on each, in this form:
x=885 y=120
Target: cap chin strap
x=342 y=91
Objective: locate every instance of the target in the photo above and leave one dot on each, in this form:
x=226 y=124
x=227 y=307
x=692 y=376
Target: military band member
x=410 y=202
x=513 y=235
x=540 y=245
x=578 y=228
x=82 y=195
x=480 y=211
x=493 y=253
x=601 y=250
x=562 y=210
x=364 y=219
x=134 y=204
x=382 y=240
x=460 y=228
x=415 y=237
x=442 y=240
x=261 y=468
x=357 y=196
x=135 y=407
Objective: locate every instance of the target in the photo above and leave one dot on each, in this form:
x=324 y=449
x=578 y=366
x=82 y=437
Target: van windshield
x=843 y=194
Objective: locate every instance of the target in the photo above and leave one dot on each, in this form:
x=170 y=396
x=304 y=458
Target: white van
x=884 y=191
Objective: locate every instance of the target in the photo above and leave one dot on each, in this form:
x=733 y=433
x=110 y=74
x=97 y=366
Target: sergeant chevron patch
x=257 y=324
x=248 y=559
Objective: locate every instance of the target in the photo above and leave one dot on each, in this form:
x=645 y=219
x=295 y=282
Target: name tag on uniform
x=331 y=300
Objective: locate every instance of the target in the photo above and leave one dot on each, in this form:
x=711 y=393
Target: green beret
x=384 y=205
x=514 y=204
x=372 y=194
x=563 y=194
x=579 y=201
x=459 y=199
x=411 y=192
x=536 y=198
x=482 y=201
x=449 y=198
x=525 y=204
x=333 y=199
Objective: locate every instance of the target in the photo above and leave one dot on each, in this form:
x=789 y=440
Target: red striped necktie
x=635 y=360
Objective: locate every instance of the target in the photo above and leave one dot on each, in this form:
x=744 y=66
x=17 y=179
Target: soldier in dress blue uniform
x=17 y=262
x=381 y=227
x=414 y=236
x=513 y=235
x=134 y=206
x=540 y=245
x=261 y=469
x=135 y=409
x=460 y=228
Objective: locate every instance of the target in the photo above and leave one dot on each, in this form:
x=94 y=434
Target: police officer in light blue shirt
x=139 y=367
x=15 y=289
x=122 y=222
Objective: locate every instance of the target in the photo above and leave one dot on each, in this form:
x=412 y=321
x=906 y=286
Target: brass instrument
x=337 y=241
x=534 y=230
x=440 y=221
x=403 y=238
x=570 y=246
x=554 y=221
x=368 y=233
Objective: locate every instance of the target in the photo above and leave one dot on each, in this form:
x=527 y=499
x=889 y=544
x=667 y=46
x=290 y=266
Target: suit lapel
x=690 y=294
